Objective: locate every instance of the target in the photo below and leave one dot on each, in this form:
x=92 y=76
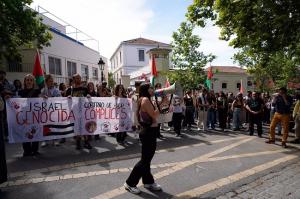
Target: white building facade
x=64 y=57
x=131 y=57
x=230 y=79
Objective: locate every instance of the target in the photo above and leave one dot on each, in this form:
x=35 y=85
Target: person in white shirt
x=202 y=105
x=177 y=114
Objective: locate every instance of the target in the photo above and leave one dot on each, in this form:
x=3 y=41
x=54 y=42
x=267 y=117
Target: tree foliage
x=187 y=59
x=111 y=81
x=20 y=26
x=266 y=31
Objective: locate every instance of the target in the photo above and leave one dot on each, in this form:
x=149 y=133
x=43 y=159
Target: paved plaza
x=198 y=165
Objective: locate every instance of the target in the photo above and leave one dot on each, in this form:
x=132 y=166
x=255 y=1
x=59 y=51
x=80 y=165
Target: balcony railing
x=60 y=79
x=19 y=67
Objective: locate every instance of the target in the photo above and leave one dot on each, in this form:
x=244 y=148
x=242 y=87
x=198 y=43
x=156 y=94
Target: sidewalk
x=284 y=184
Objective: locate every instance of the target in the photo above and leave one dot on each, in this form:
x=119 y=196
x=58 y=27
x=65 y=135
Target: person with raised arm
x=147 y=116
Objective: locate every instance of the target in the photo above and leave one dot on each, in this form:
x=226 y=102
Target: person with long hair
x=77 y=90
x=29 y=91
x=120 y=92
x=236 y=108
x=190 y=108
x=222 y=106
x=50 y=91
x=92 y=92
x=18 y=87
x=147 y=116
x=62 y=88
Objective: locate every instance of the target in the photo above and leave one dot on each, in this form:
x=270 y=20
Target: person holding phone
x=282 y=104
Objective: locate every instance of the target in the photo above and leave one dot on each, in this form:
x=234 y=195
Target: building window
x=141 y=55
x=71 y=67
x=15 y=67
x=95 y=73
x=84 y=72
x=224 y=85
x=120 y=57
x=238 y=85
x=54 y=66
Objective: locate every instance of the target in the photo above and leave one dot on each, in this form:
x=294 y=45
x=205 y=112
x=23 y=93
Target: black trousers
x=177 y=118
x=30 y=147
x=158 y=135
x=189 y=116
x=120 y=137
x=255 y=119
x=222 y=117
x=142 y=168
x=3 y=167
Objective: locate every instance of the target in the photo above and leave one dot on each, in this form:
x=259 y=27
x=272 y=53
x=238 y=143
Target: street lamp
x=101 y=64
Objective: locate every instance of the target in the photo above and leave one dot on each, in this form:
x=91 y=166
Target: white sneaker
x=198 y=129
x=44 y=144
x=133 y=190
x=153 y=187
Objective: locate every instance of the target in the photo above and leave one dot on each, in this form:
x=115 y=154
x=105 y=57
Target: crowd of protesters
x=203 y=109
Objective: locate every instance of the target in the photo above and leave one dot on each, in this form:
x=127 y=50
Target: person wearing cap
x=282 y=104
x=296 y=116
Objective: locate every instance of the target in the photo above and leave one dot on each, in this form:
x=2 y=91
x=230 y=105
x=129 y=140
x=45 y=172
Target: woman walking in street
x=147 y=115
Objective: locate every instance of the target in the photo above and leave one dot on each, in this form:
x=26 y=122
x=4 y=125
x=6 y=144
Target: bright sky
x=113 y=21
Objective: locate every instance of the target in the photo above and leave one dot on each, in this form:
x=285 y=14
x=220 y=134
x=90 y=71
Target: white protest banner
x=37 y=119
x=105 y=115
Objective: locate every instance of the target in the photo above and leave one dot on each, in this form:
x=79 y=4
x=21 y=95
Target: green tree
x=20 y=26
x=111 y=81
x=266 y=31
x=187 y=59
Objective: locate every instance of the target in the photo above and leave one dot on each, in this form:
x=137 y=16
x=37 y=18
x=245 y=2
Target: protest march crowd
x=201 y=109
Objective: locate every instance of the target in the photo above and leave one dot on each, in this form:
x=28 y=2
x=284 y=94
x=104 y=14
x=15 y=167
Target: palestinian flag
x=209 y=78
x=53 y=129
x=241 y=87
x=167 y=84
x=37 y=70
x=154 y=72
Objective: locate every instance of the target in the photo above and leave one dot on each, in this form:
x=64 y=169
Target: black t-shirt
x=29 y=93
x=93 y=94
x=255 y=104
x=188 y=101
x=77 y=92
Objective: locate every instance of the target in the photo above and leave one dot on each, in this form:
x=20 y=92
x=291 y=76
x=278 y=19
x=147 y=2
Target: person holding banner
x=79 y=91
x=120 y=92
x=29 y=91
x=50 y=91
x=147 y=116
x=92 y=92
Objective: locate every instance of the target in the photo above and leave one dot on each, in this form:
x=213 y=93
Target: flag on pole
x=242 y=88
x=209 y=78
x=167 y=84
x=153 y=71
x=37 y=70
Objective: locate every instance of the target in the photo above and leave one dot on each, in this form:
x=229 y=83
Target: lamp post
x=101 y=64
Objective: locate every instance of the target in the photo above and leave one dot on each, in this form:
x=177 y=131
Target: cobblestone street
x=281 y=184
